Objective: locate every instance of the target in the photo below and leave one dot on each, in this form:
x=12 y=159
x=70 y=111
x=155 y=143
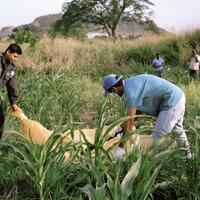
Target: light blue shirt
x=157 y=62
x=151 y=94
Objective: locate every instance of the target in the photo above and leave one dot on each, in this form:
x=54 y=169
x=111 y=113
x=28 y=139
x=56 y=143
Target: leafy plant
x=45 y=166
x=24 y=36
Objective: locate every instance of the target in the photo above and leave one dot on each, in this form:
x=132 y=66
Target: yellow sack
x=39 y=134
x=32 y=129
x=78 y=137
x=141 y=141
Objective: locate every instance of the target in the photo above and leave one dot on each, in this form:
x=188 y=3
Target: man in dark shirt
x=8 y=78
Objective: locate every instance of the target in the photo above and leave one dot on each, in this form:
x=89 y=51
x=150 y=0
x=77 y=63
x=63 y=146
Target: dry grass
x=66 y=53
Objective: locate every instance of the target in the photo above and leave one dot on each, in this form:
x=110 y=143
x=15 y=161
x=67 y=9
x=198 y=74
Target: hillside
x=41 y=25
x=6 y=32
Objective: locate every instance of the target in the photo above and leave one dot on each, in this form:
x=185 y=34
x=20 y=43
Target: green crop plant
x=191 y=169
x=45 y=166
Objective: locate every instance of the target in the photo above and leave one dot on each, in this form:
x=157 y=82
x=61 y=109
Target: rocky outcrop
x=6 y=32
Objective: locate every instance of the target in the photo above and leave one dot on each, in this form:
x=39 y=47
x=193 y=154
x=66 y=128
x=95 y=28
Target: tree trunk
x=114 y=32
x=115 y=24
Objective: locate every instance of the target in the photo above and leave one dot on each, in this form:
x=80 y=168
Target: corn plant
x=192 y=169
x=122 y=182
x=45 y=165
x=130 y=178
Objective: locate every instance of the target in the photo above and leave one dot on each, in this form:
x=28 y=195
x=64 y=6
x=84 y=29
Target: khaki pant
x=173 y=119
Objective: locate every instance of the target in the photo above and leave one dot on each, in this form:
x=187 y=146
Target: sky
x=177 y=15
x=172 y=15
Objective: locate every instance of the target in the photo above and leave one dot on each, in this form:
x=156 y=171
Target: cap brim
x=119 y=78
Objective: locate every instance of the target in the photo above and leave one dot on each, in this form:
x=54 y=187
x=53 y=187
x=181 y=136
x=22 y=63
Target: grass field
x=60 y=85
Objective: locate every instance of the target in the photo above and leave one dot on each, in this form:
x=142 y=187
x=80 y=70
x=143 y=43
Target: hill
x=41 y=25
x=6 y=32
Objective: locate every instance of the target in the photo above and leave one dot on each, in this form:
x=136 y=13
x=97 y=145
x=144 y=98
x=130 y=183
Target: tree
x=105 y=14
x=71 y=24
x=151 y=26
x=22 y=36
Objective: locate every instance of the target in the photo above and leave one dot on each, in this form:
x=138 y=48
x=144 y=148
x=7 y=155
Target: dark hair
x=157 y=54
x=194 y=51
x=119 y=83
x=14 y=48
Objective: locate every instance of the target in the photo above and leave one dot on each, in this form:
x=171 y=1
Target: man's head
x=12 y=53
x=157 y=55
x=194 y=52
x=113 y=84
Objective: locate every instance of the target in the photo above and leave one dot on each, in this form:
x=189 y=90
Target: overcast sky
x=173 y=15
x=177 y=15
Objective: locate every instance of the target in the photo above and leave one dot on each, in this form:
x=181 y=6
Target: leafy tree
x=24 y=36
x=151 y=26
x=75 y=30
x=105 y=14
x=71 y=23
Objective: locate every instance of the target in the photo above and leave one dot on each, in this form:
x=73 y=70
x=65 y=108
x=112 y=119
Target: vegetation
x=105 y=14
x=60 y=81
x=21 y=36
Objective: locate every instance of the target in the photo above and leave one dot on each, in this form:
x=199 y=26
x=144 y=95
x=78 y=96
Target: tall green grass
x=60 y=81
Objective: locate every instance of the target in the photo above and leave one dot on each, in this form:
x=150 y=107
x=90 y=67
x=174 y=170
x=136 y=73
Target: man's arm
x=12 y=90
x=154 y=64
x=12 y=93
x=197 y=58
x=158 y=63
x=128 y=125
x=163 y=62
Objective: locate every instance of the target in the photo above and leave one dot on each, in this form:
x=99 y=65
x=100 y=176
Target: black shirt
x=8 y=78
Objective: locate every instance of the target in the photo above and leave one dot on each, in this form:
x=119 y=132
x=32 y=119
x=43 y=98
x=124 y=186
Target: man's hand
x=128 y=125
x=16 y=108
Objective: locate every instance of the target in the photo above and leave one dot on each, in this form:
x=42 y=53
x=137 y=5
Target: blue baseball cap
x=110 y=81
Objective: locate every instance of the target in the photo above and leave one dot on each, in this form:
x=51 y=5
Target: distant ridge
x=41 y=25
x=6 y=32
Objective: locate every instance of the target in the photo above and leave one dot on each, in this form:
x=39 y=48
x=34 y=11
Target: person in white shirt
x=158 y=64
x=194 y=62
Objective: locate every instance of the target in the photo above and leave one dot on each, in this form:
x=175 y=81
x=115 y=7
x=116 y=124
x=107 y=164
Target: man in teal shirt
x=153 y=96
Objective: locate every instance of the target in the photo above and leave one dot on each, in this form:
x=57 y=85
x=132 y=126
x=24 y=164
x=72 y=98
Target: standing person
x=194 y=62
x=8 y=78
x=158 y=64
x=154 y=96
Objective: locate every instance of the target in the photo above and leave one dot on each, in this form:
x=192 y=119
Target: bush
x=24 y=36
x=171 y=52
x=142 y=55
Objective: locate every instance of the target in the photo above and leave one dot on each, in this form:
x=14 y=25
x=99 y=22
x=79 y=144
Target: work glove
x=116 y=132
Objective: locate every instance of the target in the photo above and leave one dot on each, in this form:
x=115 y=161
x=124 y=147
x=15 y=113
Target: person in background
x=8 y=79
x=158 y=64
x=153 y=96
x=194 y=62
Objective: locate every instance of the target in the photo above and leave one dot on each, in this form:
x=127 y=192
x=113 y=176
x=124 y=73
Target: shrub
x=24 y=36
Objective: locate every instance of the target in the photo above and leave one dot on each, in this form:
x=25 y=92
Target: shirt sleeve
x=198 y=58
x=12 y=90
